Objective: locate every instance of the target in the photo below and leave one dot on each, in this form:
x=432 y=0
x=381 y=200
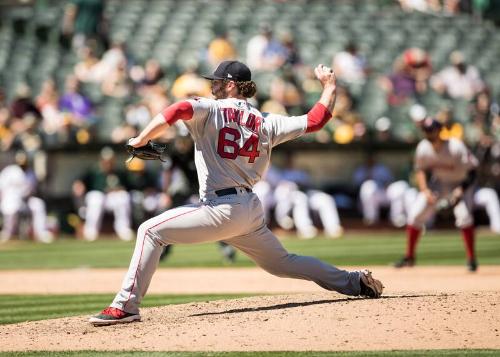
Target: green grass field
x=436 y=248
x=20 y=308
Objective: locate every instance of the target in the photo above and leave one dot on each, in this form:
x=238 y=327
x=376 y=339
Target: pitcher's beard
x=218 y=93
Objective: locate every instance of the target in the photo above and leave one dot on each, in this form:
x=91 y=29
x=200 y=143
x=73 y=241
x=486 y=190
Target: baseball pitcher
x=233 y=143
x=444 y=172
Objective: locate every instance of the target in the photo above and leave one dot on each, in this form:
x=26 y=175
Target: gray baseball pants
x=422 y=210
x=235 y=219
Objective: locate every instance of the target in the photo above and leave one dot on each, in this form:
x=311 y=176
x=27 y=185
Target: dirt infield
x=423 y=308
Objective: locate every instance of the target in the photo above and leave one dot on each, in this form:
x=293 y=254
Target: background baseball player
x=102 y=189
x=295 y=195
x=18 y=185
x=377 y=189
x=233 y=144
x=445 y=171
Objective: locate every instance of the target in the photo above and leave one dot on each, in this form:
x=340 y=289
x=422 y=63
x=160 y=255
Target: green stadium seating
x=176 y=32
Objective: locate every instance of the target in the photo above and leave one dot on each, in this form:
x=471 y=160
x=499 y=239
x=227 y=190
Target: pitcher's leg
x=266 y=250
x=148 y=248
x=182 y=225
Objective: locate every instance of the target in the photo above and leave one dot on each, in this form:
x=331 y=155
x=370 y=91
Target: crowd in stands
x=105 y=74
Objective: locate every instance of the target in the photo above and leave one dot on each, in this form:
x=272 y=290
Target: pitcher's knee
x=148 y=231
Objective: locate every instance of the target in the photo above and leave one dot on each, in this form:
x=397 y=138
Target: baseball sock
x=412 y=235
x=468 y=236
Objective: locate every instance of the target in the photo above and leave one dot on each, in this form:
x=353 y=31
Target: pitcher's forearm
x=328 y=97
x=154 y=129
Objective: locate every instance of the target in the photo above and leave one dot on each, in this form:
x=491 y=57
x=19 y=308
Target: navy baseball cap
x=430 y=124
x=231 y=70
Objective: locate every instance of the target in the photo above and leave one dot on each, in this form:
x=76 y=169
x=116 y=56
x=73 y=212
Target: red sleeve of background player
x=317 y=117
x=181 y=110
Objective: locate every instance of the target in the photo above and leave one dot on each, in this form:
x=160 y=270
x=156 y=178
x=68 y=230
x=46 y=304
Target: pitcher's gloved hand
x=150 y=151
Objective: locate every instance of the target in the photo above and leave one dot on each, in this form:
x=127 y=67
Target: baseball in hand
x=325 y=75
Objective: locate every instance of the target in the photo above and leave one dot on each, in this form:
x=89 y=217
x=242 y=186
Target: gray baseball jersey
x=233 y=143
x=449 y=165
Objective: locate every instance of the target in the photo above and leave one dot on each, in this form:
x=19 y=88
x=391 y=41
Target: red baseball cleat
x=112 y=316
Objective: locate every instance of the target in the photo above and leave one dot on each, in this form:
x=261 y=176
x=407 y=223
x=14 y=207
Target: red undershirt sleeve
x=180 y=110
x=317 y=117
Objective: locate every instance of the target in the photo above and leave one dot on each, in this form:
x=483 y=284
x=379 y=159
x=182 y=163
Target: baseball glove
x=450 y=200
x=150 y=151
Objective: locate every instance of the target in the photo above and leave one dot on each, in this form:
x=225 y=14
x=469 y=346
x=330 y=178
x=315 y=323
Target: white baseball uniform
x=291 y=199
x=487 y=198
x=233 y=143
x=16 y=187
x=448 y=168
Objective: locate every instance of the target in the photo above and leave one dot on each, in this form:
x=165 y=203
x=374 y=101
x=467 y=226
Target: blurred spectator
x=18 y=186
x=409 y=78
x=24 y=123
x=256 y=47
x=450 y=128
x=190 y=84
x=147 y=78
x=137 y=116
x=460 y=80
x=265 y=52
x=446 y=7
x=286 y=90
x=275 y=55
x=47 y=103
x=479 y=7
x=417 y=114
x=103 y=189
x=292 y=57
x=220 y=49
x=83 y=20
x=349 y=66
x=110 y=61
x=23 y=104
x=479 y=129
x=157 y=99
x=6 y=135
x=85 y=69
x=117 y=83
x=411 y=5
x=346 y=124
x=77 y=108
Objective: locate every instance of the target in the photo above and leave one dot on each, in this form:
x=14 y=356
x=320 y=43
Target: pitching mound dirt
x=318 y=321
x=424 y=308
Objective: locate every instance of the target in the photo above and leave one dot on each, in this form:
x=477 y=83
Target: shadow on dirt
x=309 y=303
